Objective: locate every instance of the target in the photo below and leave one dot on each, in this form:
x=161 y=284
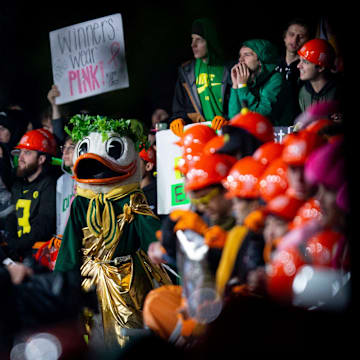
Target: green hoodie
x=209 y=74
x=261 y=94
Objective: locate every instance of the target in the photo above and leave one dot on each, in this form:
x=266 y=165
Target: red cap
x=321 y=248
x=195 y=137
x=208 y=170
x=319 y=52
x=298 y=146
x=308 y=211
x=243 y=178
x=273 y=181
x=284 y=206
x=268 y=152
x=39 y=140
x=255 y=123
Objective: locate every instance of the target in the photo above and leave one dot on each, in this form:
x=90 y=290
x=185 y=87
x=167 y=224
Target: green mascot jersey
x=139 y=233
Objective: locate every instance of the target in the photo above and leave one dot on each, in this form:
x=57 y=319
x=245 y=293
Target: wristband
x=241 y=86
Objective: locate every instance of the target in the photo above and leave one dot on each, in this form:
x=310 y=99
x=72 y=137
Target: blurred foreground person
x=178 y=313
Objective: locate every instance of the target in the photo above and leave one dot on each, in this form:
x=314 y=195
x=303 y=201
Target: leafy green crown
x=81 y=126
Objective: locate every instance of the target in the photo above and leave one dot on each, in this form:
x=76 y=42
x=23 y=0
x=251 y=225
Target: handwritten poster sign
x=89 y=58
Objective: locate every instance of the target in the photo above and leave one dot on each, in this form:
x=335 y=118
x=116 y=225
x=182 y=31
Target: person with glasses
x=210 y=217
x=65 y=186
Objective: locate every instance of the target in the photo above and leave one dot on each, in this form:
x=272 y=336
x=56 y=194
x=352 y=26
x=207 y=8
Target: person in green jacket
x=255 y=83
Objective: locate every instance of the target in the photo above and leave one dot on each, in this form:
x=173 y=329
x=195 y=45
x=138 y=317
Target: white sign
x=170 y=182
x=89 y=58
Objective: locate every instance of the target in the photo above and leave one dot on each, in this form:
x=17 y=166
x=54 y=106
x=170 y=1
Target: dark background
x=157 y=41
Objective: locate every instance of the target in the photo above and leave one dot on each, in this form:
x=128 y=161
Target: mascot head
x=106 y=153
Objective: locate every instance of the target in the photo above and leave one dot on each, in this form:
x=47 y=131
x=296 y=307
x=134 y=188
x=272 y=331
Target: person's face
x=4 y=134
x=28 y=163
x=295 y=37
x=331 y=213
x=242 y=208
x=68 y=152
x=308 y=70
x=159 y=115
x=199 y=46
x=211 y=202
x=297 y=182
x=249 y=58
x=274 y=228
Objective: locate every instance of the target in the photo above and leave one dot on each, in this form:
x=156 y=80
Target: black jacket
x=289 y=95
x=35 y=216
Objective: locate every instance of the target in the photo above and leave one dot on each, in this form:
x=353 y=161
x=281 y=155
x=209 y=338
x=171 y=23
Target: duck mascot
x=111 y=225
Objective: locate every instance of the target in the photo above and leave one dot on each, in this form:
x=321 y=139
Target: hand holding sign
x=89 y=58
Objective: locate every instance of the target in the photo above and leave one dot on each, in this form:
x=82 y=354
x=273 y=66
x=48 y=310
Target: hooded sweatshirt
x=203 y=88
x=309 y=96
x=209 y=73
x=261 y=93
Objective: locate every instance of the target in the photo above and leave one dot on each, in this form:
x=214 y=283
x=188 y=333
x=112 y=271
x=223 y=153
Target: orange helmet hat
x=243 y=178
x=308 y=211
x=281 y=273
x=185 y=163
x=298 y=146
x=322 y=247
x=213 y=144
x=268 y=152
x=283 y=206
x=208 y=170
x=255 y=123
x=318 y=125
x=192 y=143
x=273 y=181
x=39 y=140
x=195 y=137
x=148 y=155
x=319 y=52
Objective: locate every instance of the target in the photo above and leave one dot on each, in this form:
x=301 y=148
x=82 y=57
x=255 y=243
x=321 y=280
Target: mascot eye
x=83 y=147
x=115 y=148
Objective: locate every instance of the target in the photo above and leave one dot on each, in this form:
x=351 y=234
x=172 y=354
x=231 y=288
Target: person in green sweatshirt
x=255 y=82
x=203 y=86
